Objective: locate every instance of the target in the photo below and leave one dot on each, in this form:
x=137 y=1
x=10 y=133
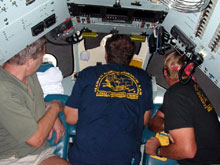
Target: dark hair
x=34 y=50
x=120 y=49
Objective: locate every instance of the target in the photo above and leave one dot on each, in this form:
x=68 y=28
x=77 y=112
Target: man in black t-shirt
x=188 y=117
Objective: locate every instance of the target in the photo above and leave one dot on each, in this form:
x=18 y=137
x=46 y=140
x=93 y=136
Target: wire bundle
x=186 y=6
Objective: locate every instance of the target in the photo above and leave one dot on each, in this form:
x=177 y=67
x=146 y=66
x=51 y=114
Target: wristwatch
x=158 y=151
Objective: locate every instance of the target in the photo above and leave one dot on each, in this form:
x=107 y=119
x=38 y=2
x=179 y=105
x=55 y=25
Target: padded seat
x=70 y=130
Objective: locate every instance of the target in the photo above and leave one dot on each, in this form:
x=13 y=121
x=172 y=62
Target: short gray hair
x=34 y=50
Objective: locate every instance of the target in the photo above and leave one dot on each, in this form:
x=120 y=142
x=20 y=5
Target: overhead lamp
x=155 y=1
x=186 y=6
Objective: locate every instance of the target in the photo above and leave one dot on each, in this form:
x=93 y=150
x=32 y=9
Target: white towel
x=51 y=81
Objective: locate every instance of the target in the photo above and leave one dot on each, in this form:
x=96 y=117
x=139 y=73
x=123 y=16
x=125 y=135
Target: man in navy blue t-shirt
x=110 y=104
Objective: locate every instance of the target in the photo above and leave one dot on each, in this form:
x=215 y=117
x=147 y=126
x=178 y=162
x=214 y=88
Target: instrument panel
x=131 y=17
x=24 y=21
x=203 y=29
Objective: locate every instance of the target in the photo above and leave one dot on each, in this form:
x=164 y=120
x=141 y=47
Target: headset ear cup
x=188 y=69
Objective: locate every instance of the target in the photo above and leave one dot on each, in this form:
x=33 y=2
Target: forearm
x=71 y=115
x=147 y=116
x=156 y=124
x=183 y=146
x=45 y=124
x=172 y=152
x=178 y=152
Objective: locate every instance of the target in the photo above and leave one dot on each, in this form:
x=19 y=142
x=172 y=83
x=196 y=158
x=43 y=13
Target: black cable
x=54 y=43
x=180 y=74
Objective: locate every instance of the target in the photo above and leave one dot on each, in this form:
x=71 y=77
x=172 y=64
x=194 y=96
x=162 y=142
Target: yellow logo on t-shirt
x=204 y=100
x=118 y=84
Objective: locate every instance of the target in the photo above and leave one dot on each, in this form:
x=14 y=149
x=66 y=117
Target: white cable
x=186 y=6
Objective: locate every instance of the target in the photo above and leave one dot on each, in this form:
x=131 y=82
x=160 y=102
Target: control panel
x=24 y=21
x=203 y=29
x=130 y=17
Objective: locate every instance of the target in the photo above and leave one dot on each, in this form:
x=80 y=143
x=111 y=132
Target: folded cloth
x=51 y=81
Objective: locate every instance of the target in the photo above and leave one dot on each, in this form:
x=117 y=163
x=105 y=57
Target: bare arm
x=71 y=115
x=184 y=146
x=59 y=128
x=157 y=123
x=147 y=116
x=45 y=124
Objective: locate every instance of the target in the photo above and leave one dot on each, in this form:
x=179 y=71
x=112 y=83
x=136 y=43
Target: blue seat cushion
x=44 y=67
x=70 y=130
